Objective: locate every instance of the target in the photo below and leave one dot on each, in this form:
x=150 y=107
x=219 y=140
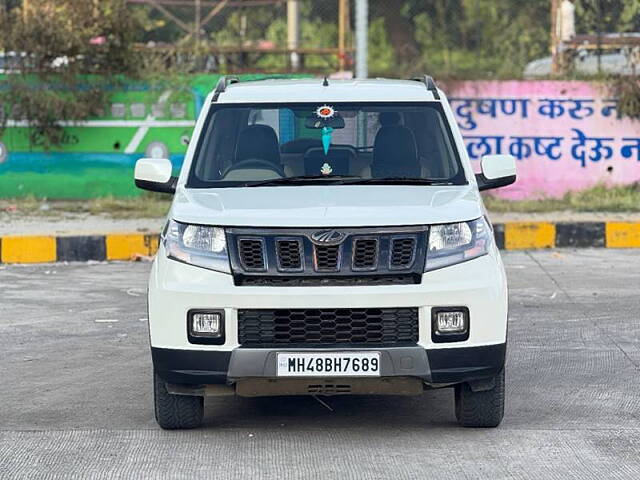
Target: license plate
x=330 y=364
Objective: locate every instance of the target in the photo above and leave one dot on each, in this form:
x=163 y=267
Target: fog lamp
x=206 y=324
x=450 y=324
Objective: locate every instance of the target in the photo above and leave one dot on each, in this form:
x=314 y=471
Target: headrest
x=258 y=141
x=389 y=118
x=395 y=153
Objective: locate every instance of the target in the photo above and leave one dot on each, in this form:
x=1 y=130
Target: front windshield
x=278 y=144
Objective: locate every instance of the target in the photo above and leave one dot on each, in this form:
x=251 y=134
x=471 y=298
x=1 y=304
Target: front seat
x=394 y=151
x=259 y=142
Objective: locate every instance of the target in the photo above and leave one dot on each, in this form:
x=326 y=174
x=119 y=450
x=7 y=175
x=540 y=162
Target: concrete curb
x=77 y=248
x=509 y=236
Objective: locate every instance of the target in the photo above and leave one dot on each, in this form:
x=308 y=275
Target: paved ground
x=76 y=224
x=73 y=223
x=75 y=398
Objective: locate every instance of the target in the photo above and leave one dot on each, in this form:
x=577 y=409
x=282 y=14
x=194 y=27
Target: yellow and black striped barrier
x=509 y=236
x=536 y=235
x=80 y=248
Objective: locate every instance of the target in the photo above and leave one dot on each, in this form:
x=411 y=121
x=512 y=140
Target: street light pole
x=342 y=27
x=196 y=32
x=362 y=31
x=599 y=34
x=555 y=63
x=293 y=32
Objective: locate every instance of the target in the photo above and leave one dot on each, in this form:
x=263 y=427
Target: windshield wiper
x=299 y=179
x=398 y=180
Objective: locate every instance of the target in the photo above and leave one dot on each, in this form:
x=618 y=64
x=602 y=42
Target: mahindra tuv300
x=327 y=238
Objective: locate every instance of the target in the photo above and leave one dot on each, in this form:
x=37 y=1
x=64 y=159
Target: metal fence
x=448 y=38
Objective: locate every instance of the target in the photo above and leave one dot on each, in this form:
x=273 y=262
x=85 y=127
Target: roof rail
x=429 y=83
x=222 y=85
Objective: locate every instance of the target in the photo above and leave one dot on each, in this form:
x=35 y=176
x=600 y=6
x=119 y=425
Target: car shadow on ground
x=433 y=407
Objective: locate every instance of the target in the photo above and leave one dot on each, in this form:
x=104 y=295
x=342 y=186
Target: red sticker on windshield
x=325 y=111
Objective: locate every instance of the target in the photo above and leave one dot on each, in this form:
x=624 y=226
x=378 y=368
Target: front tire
x=483 y=409
x=176 y=411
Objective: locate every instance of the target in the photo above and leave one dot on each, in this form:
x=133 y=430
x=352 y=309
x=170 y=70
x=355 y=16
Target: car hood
x=327 y=206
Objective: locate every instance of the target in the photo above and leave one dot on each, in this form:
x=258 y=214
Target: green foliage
x=601 y=198
x=147 y=205
x=70 y=53
x=448 y=38
x=381 y=52
x=268 y=24
x=481 y=39
x=45 y=108
x=627 y=91
x=607 y=16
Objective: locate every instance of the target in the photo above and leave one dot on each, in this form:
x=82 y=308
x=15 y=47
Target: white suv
x=327 y=238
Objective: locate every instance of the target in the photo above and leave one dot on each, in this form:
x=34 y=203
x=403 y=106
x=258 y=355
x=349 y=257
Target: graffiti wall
x=97 y=157
x=564 y=135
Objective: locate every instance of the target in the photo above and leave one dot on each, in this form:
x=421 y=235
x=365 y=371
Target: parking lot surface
x=75 y=395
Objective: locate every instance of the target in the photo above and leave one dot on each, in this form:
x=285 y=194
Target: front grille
x=385 y=255
x=327 y=258
x=309 y=327
x=252 y=254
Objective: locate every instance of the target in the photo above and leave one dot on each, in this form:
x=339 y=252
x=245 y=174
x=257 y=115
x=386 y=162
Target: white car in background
x=327 y=238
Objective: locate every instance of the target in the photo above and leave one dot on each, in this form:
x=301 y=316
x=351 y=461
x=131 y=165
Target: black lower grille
x=309 y=327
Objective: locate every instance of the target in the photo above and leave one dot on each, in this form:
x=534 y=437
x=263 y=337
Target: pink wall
x=564 y=135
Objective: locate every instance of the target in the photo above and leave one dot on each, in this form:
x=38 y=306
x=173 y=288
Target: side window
x=434 y=147
x=219 y=143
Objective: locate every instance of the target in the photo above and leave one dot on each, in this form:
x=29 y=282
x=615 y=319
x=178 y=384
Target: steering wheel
x=254 y=163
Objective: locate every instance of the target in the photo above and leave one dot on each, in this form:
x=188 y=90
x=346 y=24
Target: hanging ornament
x=325 y=111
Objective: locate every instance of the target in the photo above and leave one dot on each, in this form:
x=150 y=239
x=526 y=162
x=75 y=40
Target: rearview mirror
x=317 y=123
x=154 y=174
x=497 y=171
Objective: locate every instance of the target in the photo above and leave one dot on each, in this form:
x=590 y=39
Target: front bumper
x=479 y=285
x=433 y=366
x=175 y=288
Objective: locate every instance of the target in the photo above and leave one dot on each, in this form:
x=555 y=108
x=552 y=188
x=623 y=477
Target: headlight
x=457 y=242
x=198 y=245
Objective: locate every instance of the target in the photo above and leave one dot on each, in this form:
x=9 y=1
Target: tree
x=68 y=54
x=608 y=16
x=480 y=39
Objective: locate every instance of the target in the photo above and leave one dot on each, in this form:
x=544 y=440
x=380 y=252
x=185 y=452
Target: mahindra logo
x=328 y=237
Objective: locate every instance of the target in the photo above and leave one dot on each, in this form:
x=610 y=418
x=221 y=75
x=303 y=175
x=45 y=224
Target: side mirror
x=497 y=171
x=154 y=174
